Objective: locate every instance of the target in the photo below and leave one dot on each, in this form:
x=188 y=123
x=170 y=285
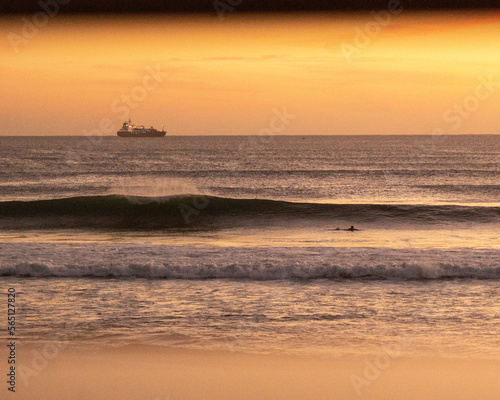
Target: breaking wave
x=130 y=261
x=191 y=211
x=404 y=271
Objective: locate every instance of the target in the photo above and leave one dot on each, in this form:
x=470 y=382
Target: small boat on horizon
x=130 y=130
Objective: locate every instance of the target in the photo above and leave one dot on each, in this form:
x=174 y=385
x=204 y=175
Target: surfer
x=351 y=229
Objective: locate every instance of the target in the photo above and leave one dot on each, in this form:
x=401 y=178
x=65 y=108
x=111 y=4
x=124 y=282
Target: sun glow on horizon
x=226 y=77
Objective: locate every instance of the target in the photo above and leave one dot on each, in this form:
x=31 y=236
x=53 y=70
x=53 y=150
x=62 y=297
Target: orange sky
x=411 y=74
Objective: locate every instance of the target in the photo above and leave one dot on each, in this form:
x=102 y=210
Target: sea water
x=240 y=243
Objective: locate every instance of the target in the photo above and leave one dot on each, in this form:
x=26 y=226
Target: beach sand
x=160 y=373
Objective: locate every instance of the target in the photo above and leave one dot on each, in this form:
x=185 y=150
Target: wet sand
x=159 y=373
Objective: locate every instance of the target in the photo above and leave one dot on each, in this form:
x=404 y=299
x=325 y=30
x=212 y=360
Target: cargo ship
x=130 y=130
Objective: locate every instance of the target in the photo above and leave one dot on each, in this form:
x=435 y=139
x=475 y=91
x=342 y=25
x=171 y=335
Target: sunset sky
x=412 y=73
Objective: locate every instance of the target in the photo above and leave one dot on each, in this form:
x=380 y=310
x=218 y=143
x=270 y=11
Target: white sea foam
x=190 y=262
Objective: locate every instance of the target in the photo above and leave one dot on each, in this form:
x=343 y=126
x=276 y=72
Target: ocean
x=242 y=243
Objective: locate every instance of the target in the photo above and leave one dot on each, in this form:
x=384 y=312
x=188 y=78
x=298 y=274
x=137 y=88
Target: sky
x=385 y=72
x=206 y=6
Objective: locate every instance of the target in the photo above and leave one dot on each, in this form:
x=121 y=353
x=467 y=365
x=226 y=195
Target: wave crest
x=296 y=271
x=191 y=211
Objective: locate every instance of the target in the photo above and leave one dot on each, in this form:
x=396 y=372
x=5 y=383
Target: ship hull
x=142 y=134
